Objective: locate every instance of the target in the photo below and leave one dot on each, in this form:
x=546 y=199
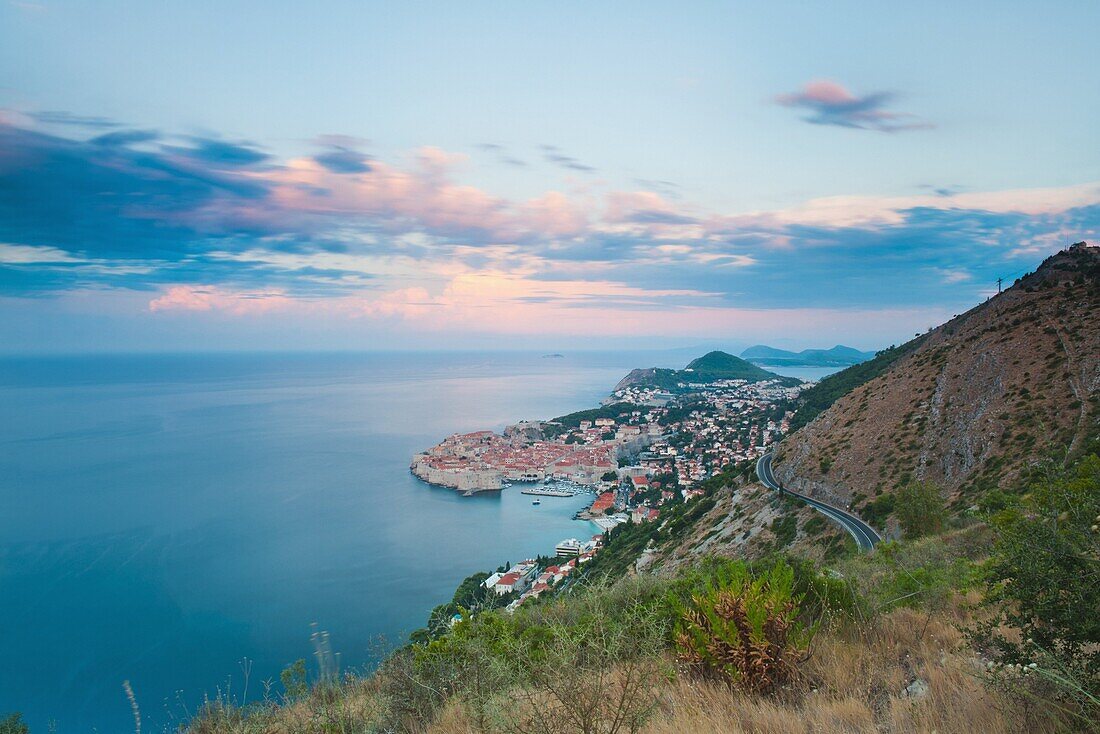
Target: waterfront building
x=568 y=547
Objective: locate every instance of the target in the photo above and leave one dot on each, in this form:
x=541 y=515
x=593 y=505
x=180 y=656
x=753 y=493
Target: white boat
x=537 y=502
x=547 y=492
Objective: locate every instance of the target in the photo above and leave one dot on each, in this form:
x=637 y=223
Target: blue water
x=163 y=518
x=810 y=374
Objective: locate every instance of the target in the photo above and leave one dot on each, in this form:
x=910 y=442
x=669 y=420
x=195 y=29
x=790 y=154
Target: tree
x=920 y=509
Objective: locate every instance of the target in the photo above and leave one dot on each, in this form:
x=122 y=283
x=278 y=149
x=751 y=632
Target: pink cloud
x=553 y=214
x=509 y=305
x=830 y=103
x=210 y=298
x=622 y=206
x=822 y=91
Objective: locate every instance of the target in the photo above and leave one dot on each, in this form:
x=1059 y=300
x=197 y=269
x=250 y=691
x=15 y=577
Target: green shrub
x=1043 y=578
x=294 y=679
x=584 y=662
x=587 y=666
x=877 y=511
x=920 y=509
x=745 y=631
x=814 y=525
x=785 y=529
x=13 y=724
x=923 y=573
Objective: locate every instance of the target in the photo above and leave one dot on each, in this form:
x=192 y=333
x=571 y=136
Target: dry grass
x=355 y=708
x=853 y=683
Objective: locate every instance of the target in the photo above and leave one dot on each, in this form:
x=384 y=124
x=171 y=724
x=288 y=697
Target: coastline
x=650 y=447
x=564 y=457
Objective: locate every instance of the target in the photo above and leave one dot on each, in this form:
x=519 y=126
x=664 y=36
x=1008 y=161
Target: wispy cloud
x=502 y=154
x=830 y=103
x=60 y=117
x=338 y=159
x=220 y=153
x=125 y=137
x=553 y=154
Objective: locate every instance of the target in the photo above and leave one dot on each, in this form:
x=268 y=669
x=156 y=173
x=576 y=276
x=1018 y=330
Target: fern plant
x=745 y=631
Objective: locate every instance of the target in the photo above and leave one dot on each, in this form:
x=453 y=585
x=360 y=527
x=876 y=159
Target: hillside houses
x=515 y=580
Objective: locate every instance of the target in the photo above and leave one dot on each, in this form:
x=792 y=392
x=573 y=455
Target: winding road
x=865 y=535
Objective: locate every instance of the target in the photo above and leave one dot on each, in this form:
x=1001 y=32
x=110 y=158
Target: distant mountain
x=971 y=406
x=838 y=356
x=710 y=367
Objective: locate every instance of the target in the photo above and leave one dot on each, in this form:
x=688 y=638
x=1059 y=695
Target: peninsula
x=687 y=423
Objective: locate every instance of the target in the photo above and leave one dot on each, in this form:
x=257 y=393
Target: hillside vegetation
x=711 y=367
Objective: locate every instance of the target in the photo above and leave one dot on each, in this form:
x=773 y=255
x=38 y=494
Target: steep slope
x=828 y=390
x=711 y=367
x=971 y=404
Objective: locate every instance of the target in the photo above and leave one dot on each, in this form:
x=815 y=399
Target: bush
x=294 y=679
x=921 y=574
x=469 y=663
x=587 y=662
x=592 y=669
x=878 y=510
x=1043 y=583
x=920 y=509
x=745 y=631
x=13 y=724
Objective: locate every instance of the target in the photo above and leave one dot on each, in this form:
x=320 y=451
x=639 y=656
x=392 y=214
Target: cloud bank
x=209 y=226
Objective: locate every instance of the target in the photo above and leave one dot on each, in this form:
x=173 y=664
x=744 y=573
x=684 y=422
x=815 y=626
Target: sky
x=357 y=175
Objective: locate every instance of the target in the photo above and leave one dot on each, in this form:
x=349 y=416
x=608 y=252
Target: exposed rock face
x=645 y=376
x=745 y=523
x=525 y=431
x=985 y=394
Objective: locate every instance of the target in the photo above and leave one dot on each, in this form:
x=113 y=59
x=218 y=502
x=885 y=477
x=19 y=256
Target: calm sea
x=163 y=519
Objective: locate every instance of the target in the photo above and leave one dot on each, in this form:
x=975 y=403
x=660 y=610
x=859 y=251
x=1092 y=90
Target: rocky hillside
x=971 y=404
